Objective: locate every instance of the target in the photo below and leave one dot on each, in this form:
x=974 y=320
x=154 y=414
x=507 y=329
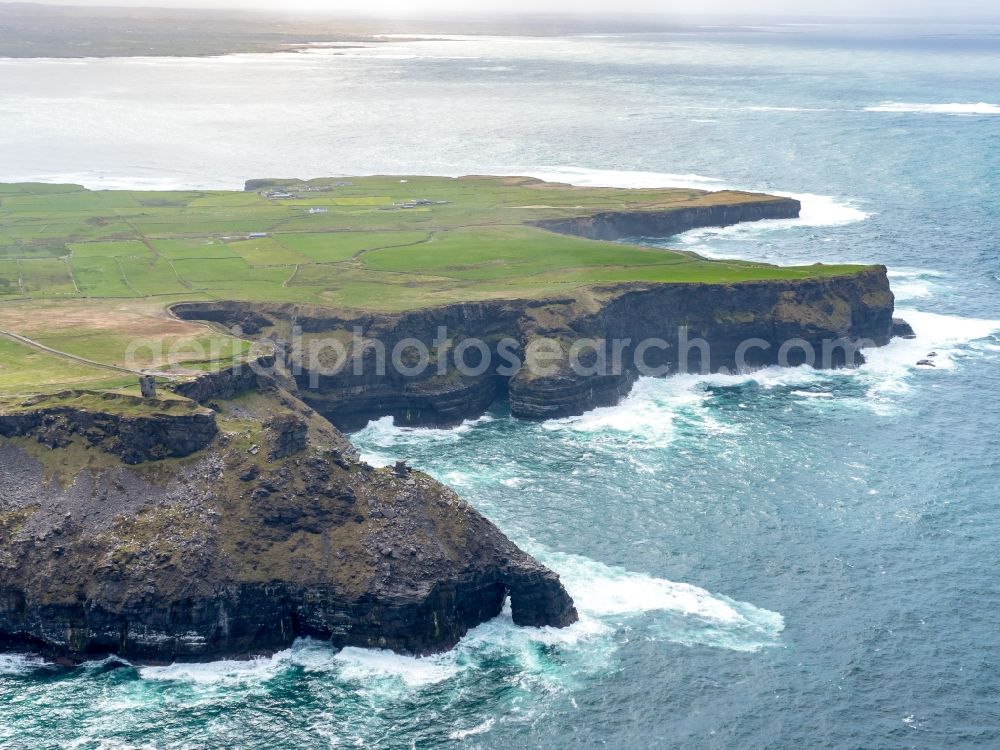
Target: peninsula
x=218 y=510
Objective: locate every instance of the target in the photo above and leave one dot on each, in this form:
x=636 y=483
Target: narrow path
x=429 y=238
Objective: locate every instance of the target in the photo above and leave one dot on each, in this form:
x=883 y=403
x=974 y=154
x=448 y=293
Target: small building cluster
x=418 y=203
x=295 y=191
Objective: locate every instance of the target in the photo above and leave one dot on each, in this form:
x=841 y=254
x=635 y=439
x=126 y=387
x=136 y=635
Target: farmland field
x=92 y=274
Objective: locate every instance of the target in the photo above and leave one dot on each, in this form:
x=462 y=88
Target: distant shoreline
x=62 y=32
x=32 y=31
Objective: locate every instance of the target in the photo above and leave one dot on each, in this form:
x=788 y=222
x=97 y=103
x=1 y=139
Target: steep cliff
x=132 y=428
x=273 y=531
x=616 y=225
x=620 y=331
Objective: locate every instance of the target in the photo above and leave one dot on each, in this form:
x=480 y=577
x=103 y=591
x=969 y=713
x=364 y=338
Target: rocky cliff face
x=824 y=321
x=782 y=321
x=156 y=429
x=616 y=225
x=272 y=532
x=706 y=328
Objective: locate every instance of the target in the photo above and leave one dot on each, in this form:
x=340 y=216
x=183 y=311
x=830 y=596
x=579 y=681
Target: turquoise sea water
x=793 y=559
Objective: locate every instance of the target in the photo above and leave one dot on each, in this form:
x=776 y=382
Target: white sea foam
x=954 y=108
x=908 y=284
x=891 y=368
x=364 y=665
x=607 y=598
x=385 y=432
x=623 y=178
x=224 y=672
x=155 y=180
x=386 y=435
x=786 y=109
x=649 y=411
x=311 y=656
x=680 y=612
x=654 y=413
x=17 y=664
x=461 y=734
x=817 y=210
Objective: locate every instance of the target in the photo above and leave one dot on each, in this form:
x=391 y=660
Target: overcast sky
x=890 y=8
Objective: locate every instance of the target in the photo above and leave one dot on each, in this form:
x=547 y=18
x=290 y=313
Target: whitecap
x=515 y=482
x=954 y=108
x=785 y=109
x=483 y=728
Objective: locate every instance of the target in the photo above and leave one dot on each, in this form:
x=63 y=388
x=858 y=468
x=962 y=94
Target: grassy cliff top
x=89 y=272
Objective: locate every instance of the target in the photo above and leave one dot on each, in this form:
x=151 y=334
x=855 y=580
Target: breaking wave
x=911 y=284
x=19 y=664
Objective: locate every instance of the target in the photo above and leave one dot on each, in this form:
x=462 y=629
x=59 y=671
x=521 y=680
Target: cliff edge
x=617 y=333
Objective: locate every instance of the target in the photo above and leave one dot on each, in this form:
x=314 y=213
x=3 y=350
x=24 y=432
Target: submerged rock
x=228 y=553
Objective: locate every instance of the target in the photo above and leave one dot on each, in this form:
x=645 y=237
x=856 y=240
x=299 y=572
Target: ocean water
x=790 y=559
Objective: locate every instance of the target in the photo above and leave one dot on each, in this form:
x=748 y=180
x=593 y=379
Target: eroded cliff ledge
x=273 y=531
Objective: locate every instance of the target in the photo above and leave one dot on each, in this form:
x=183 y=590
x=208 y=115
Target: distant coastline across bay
x=33 y=30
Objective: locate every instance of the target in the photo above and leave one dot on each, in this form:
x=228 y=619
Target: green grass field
x=25 y=370
x=85 y=271
x=360 y=247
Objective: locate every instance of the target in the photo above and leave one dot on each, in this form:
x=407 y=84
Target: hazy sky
x=892 y=8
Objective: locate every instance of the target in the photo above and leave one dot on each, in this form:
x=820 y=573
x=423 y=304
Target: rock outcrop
x=273 y=532
x=134 y=429
x=902 y=329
